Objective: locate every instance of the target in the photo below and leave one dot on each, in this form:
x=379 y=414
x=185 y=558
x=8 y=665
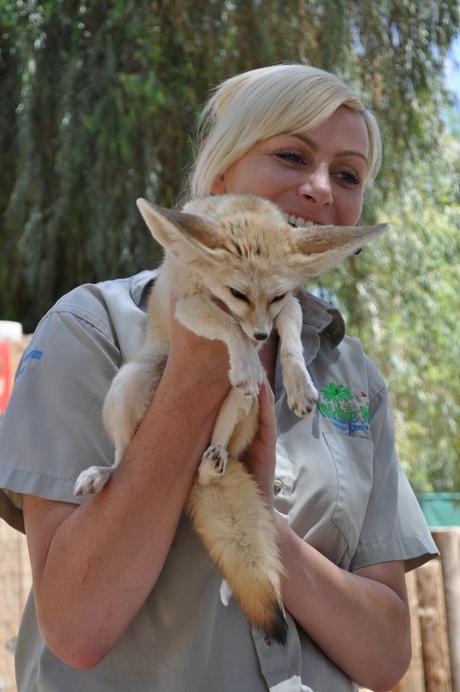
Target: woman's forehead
x=345 y=130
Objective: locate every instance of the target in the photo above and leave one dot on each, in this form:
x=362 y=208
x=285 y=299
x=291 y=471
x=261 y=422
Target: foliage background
x=98 y=101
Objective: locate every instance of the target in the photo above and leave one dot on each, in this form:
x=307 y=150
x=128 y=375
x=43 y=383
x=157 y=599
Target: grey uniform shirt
x=338 y=482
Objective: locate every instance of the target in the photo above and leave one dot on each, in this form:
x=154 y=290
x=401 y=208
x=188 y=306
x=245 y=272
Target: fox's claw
x=302 y=410
x=213 y=464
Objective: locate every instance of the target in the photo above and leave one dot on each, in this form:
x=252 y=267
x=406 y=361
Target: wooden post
x=448 y=542
x=414 y=679
x=432 y=613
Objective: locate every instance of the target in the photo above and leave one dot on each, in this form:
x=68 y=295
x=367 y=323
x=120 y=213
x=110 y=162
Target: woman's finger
x=267 y=423
x=172 y=304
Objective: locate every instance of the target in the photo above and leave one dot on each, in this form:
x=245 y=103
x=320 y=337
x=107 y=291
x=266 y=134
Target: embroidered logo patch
x=32 y=355
x=348 y=411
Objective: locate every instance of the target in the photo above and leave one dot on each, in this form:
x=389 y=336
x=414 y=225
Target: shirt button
x=268 y=640
x=277 y=486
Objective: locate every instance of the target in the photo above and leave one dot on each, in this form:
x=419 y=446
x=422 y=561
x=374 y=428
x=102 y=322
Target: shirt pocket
x=353 y=461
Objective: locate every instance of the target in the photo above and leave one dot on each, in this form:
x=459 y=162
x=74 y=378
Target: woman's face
x=318 y=176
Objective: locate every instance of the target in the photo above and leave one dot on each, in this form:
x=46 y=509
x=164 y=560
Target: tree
x=99 y=99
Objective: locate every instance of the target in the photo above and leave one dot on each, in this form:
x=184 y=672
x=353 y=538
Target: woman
x=124 y=595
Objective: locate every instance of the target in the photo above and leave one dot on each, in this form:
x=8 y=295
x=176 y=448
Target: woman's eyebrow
x=350 y=152
x=306 y=140
x=314 y=147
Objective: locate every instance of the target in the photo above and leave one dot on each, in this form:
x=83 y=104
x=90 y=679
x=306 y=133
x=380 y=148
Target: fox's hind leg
x=235 y=427
x=127 y=400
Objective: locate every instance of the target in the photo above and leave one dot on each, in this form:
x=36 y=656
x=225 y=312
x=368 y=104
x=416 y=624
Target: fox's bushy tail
x=239 y=533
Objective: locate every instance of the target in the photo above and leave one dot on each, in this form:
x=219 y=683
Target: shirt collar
x=322 y=317
x=141 y=285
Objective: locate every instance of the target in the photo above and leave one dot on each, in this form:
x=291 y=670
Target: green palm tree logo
x=336 y=393
x=338 y=406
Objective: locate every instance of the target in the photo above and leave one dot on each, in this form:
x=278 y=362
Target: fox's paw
x=301 y=392
x=92 y=480
x=213 y=464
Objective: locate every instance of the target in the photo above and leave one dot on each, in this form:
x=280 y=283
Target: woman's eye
x=276 y=298
x=348 y=177
x=290 y=155
x=239 y=295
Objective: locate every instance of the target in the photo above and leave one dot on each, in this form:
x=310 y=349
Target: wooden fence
x=15 y=583
x=434 y=594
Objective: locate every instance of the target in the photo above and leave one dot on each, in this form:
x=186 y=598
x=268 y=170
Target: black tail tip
x=278 y=631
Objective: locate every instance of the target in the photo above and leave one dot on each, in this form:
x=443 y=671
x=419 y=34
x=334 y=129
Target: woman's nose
x=317 y=187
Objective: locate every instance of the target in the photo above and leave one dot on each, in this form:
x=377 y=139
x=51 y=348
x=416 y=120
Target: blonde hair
x=265 y=102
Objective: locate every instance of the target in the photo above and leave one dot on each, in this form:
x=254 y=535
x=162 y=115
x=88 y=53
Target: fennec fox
x=240 y=250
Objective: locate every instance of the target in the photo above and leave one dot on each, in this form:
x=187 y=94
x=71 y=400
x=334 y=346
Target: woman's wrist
x=192 y=386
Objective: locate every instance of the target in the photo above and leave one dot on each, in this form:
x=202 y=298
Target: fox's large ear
x=188 y=237
x=320 y=248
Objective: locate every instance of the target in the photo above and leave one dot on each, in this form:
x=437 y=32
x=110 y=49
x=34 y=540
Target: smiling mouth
x=298 y=221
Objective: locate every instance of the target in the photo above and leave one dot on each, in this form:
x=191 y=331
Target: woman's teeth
x=297 y=220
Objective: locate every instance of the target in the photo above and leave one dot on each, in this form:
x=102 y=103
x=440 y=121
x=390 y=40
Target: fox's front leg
x=301 y=392
x=199 y=314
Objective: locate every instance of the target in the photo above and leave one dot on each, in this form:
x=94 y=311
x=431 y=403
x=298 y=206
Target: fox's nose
x=260 y=336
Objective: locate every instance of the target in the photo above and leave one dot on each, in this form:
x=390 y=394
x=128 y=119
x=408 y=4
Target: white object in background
x=225 y=592
x=11 y=331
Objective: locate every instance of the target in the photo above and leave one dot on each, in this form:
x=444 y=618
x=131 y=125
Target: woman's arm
x=94 y=565
x=360 y=620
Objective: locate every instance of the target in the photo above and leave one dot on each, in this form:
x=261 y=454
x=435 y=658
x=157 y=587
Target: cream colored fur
x=215 y=247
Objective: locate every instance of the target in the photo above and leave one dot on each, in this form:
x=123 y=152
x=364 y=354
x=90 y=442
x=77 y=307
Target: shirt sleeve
x=394 y=527
x=52 y=428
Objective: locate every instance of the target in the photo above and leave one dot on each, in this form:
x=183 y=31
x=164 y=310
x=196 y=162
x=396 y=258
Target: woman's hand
x=194 y=359
x=260 y=457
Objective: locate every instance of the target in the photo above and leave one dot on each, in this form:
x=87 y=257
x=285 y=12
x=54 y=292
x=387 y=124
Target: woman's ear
x=219 y=186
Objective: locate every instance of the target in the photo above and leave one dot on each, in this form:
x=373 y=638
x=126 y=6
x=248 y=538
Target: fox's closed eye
x=238 y=295
x=276 y=298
